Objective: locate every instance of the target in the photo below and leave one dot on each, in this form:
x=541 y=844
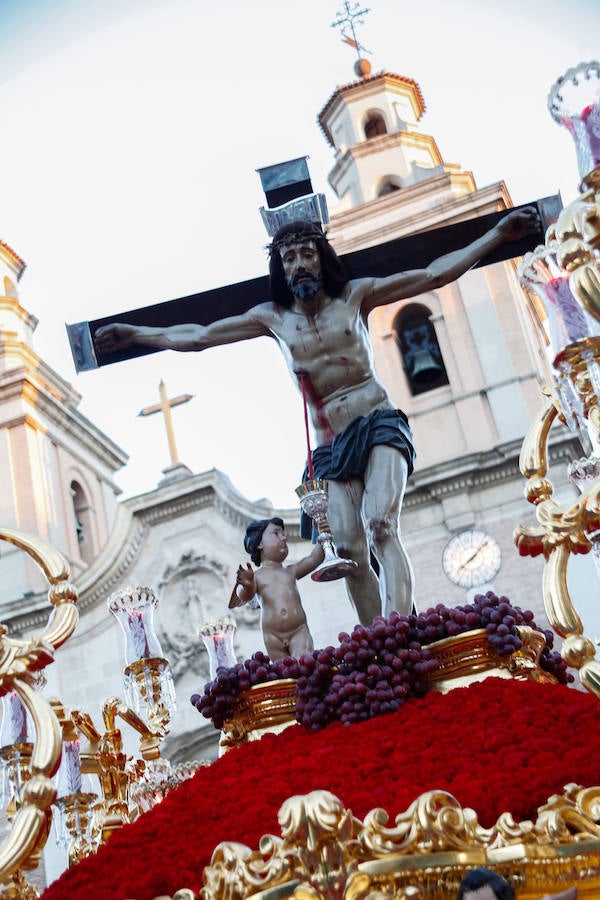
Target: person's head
x=484 y=884
x=303 y=260
x=266 y=535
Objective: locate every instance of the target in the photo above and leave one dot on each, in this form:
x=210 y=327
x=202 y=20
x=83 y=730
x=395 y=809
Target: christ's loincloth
x=348 y=455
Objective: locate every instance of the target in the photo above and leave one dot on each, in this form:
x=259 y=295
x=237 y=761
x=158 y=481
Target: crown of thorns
x=293 y=237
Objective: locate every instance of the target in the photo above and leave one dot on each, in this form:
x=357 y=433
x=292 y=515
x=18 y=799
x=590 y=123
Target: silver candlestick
x=314 y=500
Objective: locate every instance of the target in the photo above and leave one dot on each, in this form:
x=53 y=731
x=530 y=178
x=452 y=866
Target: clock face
x=471 y=558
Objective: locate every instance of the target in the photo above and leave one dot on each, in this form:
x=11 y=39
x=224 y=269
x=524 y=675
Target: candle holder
x=574 y=102
x=567 y=269
x=218 y=640
x=314 y=500
x=16 y=745
x=147 y=677
x=570 y=337
x=73 y=825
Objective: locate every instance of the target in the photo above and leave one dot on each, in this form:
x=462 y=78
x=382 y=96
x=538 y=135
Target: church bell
x=425 y=368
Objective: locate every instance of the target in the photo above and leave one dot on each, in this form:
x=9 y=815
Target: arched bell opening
x=421 y=355
x=387 y=185
x=374 y=124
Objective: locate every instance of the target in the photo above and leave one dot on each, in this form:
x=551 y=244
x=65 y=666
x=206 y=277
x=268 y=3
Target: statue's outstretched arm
x=119 y=336
x=451 y=266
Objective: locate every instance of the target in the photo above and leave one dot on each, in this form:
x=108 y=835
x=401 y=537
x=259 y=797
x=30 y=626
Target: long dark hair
x=334 y=270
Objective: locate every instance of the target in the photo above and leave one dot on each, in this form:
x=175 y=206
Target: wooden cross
x=412 y=252
x=165 y=407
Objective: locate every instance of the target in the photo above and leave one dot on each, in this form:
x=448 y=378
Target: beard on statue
x=305 y=285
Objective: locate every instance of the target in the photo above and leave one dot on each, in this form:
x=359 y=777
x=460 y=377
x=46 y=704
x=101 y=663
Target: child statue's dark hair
x=254 y=533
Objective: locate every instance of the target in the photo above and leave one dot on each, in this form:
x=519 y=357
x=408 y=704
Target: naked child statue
x=318 y=316
x=283 y=620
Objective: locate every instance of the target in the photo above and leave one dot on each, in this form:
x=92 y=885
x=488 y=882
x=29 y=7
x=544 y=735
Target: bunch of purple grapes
x=372 y=671
x=375 y=668
x=498 y=617
x=218 y=700
x=552 y=662
x=495 y=614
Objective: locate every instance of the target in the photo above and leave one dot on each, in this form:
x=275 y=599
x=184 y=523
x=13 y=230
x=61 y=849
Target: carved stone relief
x=192 y=592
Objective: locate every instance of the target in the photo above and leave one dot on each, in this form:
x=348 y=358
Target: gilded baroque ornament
x=21 y=663
x=29 y=761
x=325 y=853
x=562 y=278
x=561 y=530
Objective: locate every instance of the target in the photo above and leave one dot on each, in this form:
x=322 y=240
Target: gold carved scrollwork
x=571 y=816
x=184 y=894
x=325 y=852
x=578 y=235
x=434 y=822
x=317 y=852
x=236 y=871
x=20 y=662
x=561 y=530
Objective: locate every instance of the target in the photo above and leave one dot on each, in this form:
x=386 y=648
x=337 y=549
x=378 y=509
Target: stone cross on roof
x=165 y=406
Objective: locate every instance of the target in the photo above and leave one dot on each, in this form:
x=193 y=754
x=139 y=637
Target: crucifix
x=411 y=252
x=165 y=406
x=317 y=313
x=316 y=305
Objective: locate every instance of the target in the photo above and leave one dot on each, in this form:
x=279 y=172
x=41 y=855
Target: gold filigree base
x=325 y=853
x=265 y=709
x=468 y=658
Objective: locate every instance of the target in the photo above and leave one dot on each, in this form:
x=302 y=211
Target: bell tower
x=57 y=467
x=372 y=124
x=458 y=360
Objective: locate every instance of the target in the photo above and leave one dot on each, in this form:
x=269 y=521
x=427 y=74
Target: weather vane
x=346 y=21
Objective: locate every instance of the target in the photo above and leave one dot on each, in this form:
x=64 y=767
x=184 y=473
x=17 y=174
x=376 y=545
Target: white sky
x=130 y=132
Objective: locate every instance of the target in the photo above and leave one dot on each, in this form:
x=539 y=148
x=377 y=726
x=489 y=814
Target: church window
x=374 y=125
x=387 y=185
x=83 y=522
x=419 y=348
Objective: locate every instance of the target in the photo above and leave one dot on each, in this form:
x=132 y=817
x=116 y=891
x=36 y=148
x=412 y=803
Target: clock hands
x=473 y=556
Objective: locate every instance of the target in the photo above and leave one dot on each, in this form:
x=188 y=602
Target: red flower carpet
x=497 y=746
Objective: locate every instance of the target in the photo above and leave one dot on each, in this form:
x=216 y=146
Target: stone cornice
x=25 y=383
x=406 y=221
x=11 y=304
x=11 y=347
x=412 y=139
x=480 y=470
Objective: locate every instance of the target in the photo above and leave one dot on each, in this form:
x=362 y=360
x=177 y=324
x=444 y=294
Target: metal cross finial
x=345 y=22
x=164 y=407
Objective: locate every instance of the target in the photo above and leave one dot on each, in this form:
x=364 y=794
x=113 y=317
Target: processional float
x=48 y=753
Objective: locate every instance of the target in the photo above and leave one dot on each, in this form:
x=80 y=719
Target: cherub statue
x=283 y=620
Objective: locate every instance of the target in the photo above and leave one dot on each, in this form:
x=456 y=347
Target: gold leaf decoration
x=325 y=853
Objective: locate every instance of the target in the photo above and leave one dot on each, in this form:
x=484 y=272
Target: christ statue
x=318 y=316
